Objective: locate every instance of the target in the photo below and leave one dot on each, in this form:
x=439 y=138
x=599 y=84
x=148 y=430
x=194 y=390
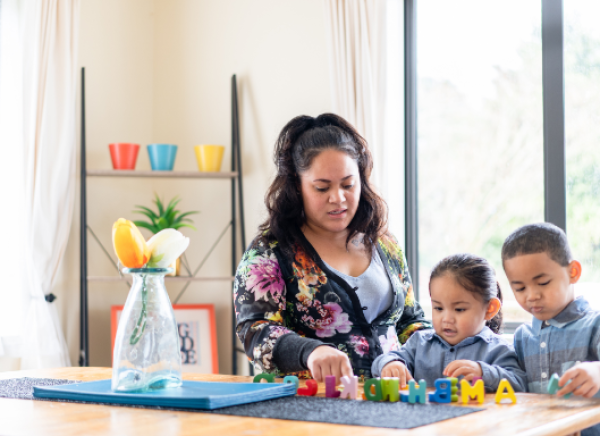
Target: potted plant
x=165 y=218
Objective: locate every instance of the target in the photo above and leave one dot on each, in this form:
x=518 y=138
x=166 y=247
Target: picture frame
x=197 y=336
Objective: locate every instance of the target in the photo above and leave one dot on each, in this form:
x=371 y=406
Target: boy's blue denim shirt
x=554 y=346
x=426 y=355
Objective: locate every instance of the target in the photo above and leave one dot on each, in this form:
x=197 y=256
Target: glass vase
x=146 y=355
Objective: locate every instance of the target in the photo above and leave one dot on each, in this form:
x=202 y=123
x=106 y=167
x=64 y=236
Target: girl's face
x=330 y=191
x=457 y=313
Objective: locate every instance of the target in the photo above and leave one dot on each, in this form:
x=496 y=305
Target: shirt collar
x=575 y=310
x=485 y=335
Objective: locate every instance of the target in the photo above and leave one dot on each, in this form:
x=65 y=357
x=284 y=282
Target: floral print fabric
x=275 y=294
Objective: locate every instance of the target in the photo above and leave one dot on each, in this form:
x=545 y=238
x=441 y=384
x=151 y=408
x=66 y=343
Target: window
x=582 y=131
x=479 y=131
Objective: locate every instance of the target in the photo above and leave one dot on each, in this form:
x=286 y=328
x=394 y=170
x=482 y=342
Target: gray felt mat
x=314 y=409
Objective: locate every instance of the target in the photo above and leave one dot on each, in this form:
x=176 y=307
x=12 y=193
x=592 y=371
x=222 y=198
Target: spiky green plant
x=166 y=217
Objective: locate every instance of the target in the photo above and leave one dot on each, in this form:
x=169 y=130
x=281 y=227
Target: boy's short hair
x=538 y=238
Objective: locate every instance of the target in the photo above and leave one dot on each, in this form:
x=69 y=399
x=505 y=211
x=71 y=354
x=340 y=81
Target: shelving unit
x=236 y=201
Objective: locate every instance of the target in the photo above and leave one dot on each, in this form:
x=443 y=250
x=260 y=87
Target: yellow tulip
x=129 y=244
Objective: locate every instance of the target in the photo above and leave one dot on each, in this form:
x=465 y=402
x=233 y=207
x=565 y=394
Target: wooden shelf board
x=163 y=174
x=168 y=279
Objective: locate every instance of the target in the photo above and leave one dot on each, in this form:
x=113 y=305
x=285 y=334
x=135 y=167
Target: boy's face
x=542 y=286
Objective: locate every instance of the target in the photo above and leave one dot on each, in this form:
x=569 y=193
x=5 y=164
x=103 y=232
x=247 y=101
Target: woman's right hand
x=398 y=370
x=326 y=360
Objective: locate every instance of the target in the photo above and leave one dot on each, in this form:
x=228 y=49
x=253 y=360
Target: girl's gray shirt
x=426 y=355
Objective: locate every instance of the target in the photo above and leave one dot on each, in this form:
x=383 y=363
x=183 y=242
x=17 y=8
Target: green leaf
x=145 y=225
x=159 y=205
x=154 y=260
x=181 y=217
x=169 y=210
x=171 y=215
x=163 y=224
x=149 y=211
x=147 y=214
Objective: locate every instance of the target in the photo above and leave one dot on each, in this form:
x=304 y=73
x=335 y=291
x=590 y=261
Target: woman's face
x=330 y=191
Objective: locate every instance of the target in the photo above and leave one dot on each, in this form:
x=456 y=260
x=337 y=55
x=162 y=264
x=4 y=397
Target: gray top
x=426 y=355
x=374 y=288
x=556 y=345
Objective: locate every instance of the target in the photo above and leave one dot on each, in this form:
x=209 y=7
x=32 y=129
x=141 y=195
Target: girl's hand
x=585 y=380
x=467 y=368
x=326 y=360
x=398 y=370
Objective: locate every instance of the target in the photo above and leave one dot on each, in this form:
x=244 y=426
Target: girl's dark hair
x=300 y=141
x=476 y=275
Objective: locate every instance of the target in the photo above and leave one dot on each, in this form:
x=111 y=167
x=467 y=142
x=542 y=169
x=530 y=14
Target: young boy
x=564 y=335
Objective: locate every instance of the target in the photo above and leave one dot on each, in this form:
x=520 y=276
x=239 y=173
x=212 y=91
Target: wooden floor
x=534 y=415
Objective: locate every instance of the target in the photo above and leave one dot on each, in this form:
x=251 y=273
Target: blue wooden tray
x=191 y=395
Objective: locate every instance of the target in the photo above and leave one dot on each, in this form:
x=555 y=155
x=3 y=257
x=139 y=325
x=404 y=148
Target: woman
x=324 y=287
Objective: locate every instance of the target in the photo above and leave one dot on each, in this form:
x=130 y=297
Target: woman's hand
x=398 y=370
x=326 y=360
x=466 y=368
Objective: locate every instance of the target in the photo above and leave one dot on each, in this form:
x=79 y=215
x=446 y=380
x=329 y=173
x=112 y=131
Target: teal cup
x=162 y=156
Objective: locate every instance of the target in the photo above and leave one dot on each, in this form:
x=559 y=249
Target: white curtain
x=48 y=34
x=366 y=75
x=357 y=35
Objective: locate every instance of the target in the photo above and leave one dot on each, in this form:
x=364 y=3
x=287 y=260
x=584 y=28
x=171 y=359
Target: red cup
x=123 y=155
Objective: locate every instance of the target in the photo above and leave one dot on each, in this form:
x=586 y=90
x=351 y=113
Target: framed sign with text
x=197 y=336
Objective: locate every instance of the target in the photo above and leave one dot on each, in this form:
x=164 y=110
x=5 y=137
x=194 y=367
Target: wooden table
x=533 y=415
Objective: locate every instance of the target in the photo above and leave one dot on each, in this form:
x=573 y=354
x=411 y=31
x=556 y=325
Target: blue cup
x=162 y=156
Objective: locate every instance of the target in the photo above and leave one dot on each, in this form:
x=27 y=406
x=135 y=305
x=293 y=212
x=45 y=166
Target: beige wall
x=160 y=71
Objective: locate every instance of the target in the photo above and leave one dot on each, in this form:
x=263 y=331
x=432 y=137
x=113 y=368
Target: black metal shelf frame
x=237 y=201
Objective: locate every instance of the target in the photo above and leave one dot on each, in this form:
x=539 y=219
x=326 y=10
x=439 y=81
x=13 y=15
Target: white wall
x=160 y=71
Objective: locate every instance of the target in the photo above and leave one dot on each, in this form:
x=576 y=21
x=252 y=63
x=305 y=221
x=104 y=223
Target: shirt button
x=452 y=350
x=543 y=345
x=544 y=375
x=546 y=322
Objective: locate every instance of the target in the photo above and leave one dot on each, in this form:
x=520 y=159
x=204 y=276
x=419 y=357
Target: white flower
x=166 y=246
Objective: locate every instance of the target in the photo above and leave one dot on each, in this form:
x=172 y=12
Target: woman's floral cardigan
x=275 y=295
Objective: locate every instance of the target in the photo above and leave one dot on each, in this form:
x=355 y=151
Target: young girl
x=466 y=300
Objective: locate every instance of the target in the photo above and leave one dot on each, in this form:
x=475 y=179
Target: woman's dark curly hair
x=300 y=141
x=476 y=275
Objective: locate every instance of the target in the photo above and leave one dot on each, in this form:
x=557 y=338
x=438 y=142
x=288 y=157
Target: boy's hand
x=585 y=380
x=398 y=370
x=467 y=368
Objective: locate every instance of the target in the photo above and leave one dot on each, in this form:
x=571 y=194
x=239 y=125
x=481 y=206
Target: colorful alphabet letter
x=505 y=391
x=330 y=389
x=445 y=390
x=553 y=386
x=269 y=378
x=310 y=390
x=389 y=389
x=417 y=393
x=292 y=379
x=454 y=382
x=477 y=391
x=376 y=383
x=350 y=385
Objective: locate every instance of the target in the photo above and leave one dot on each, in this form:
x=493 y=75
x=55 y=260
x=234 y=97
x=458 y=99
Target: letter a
x=505 y=391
